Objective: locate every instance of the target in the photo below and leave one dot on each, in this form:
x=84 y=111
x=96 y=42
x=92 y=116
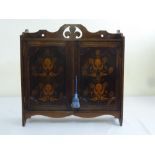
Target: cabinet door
x=47 y=66
x=99 y=75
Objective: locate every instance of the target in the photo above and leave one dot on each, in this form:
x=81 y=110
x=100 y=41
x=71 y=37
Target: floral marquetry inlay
x=97 y=69
x=47 y=72
x=97 y=66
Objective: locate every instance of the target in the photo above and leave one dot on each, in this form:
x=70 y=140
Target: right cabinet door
x=99 y=75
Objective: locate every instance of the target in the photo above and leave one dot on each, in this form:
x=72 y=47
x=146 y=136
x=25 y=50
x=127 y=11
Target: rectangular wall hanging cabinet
x=72 y=72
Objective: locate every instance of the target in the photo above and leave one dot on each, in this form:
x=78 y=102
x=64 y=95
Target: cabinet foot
x=120 y=121
x=23 y=122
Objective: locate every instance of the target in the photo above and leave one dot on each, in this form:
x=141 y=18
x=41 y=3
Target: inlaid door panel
x=47 y=85
x=98 y=77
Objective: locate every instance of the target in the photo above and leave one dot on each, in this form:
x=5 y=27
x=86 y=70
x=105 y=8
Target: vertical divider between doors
x=68 y=86
x=69 y=72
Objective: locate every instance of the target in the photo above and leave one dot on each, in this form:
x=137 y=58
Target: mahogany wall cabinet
x=50 y=62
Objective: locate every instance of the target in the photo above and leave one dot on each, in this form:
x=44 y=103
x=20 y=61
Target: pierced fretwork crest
x=72 y=32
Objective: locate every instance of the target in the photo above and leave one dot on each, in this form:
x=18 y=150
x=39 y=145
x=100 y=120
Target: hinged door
x=99 y=75
x=47 y=77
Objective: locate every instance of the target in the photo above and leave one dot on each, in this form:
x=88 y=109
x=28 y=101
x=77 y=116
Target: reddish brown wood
x=51 y=60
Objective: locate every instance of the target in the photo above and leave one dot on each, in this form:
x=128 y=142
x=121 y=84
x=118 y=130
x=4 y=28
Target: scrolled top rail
x=72 y=32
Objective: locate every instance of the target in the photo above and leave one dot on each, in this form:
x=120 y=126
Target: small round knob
x=118 y=31
x=26 y=30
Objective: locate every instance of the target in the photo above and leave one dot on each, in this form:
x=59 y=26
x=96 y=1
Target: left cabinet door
x=46 y=76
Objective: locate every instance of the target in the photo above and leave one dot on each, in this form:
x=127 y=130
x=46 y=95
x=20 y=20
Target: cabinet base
x=61 y=114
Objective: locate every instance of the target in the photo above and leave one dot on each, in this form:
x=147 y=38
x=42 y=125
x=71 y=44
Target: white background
x=135 y=18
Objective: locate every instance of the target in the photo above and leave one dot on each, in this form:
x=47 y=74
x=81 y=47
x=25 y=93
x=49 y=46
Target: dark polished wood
x=50 y=61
